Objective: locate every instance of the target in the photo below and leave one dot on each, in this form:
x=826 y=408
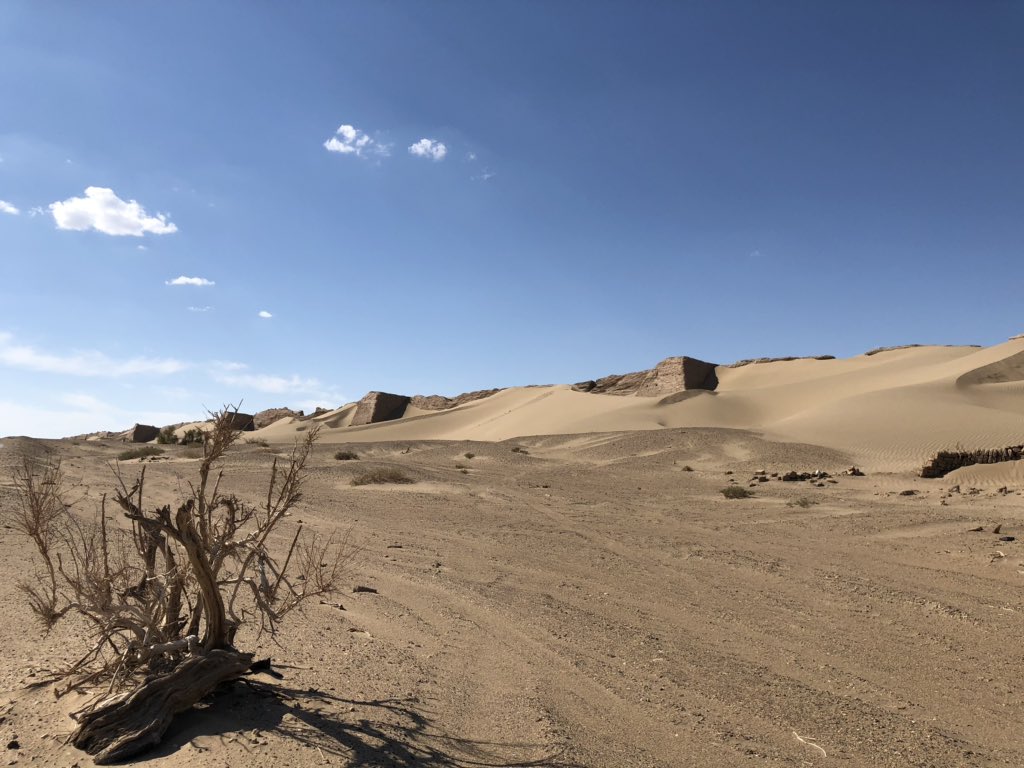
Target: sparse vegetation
x=258 y=441
x=460 y=466
x=165 y=595
x=346 y=455
x=139 y=453
x=736 y=492
x=193 y=436
x=464 y=471
x=687 y=468
x=167 y=436
x=803 y=502
x=381 y=476
x=469 y=454
x=520 y=449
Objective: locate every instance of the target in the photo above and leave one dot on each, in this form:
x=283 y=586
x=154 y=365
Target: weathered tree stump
x=126 y=724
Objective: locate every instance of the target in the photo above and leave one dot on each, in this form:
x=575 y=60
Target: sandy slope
x=889 y=411
x=593 y=604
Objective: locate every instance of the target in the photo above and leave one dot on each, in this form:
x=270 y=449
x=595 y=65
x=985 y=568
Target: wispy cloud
x=83 y=363
x=36 y=210
x=75 y=413
x=105 y=212
x=485 y=175
x=287 y=386
x=6 y=207
x=199 y=309
x=264 y=314
x=434 y=150
x=182 y=280
x=349 y=140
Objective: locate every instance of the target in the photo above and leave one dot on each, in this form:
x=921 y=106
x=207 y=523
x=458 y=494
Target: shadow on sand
x=349 y=732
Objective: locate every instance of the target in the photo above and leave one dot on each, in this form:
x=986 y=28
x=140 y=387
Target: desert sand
x=592 y=599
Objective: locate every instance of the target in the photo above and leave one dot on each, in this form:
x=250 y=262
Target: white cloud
x=141 y=247
x=76 y=414
x=349 y=140
x=276 y=385
x=199 y=309
x=288 y=386
x=6 y=207
x=471 y=156
x=105 y=212
x=36 y=210
x=486 y=175
x=264 y=314
x=182 y=280
x=86 y=363
x=435 y=150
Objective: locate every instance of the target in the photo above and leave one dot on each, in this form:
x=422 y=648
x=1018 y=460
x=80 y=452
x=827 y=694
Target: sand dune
x=889 y=410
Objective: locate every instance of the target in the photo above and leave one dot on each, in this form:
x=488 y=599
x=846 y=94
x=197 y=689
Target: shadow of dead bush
x=394 y=732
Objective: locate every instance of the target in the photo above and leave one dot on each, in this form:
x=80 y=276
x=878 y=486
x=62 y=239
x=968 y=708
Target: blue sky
x=527 y=192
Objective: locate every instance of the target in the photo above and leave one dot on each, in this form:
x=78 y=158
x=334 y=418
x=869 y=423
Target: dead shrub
x=382 y=476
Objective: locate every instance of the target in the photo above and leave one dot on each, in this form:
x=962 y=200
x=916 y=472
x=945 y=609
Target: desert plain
x=565 y=583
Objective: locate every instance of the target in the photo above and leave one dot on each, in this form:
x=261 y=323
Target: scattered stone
x=13 y=744
x=361 y=588
x=854 y=472
x=1007 y=538
x=998 y=528
x=955 y=489
x=394 y=546
x=979 y=529
x=908 y=493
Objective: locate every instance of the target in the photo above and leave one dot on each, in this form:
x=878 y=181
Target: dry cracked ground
x=594 y=601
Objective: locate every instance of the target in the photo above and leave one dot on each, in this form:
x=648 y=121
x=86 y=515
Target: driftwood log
x=125 y=724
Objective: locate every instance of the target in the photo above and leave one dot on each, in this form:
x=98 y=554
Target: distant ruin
x=945 y=462
x=673 y=374
x=379 y=406
x=142 y=433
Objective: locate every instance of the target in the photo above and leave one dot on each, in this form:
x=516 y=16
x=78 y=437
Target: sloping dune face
x=889 y=410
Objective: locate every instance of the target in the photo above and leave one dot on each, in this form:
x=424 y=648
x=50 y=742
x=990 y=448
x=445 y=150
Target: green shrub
x=736 y=492
x=139 y=453
x=346 y=456
x=194 y=436
x=167 y=436
x=381 y=476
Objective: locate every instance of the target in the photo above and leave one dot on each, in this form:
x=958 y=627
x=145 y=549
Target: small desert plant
x=736 y=492
x=469 y=454
x=803 y=502
x=520 y=449
x=167 y=436
x=139 y=453
x=460 y=466
x=464 y=471
x=346 y=456
x=687 y=468
x=381 y=476
x=258 y=441
x=194 y=436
